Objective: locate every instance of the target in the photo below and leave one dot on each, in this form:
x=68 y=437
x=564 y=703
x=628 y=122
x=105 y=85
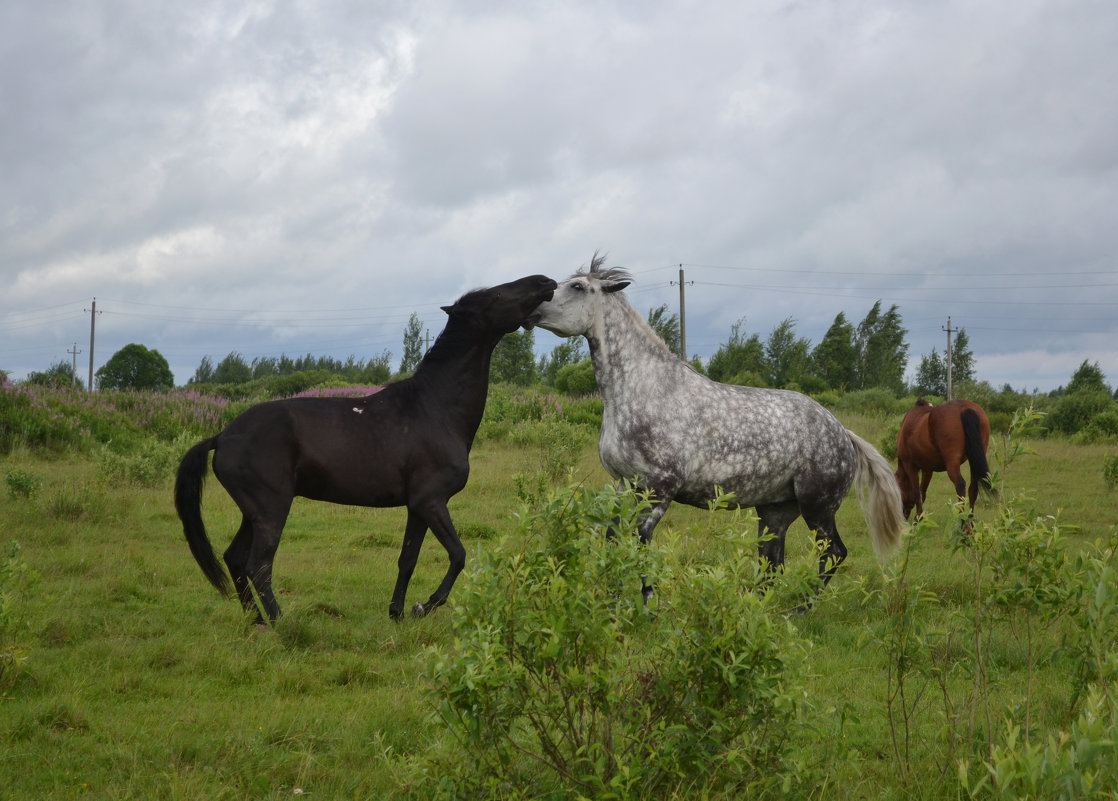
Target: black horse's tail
x=188 y=503
x=976 y=453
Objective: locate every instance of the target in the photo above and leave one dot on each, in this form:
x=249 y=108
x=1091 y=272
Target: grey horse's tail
x=879 y=495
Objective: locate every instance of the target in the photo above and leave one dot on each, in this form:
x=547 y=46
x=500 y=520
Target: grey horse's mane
x=620 y=274
x=608 y=274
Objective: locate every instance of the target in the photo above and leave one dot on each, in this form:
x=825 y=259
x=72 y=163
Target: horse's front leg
x=414 y=532
x=922 y=495
x=645 y=528
x=772 y=524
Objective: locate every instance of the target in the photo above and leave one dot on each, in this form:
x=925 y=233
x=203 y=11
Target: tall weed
x=16 y=579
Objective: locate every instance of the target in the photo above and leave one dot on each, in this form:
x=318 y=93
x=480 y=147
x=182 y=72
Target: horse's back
x=356 y=451
x=758 y=443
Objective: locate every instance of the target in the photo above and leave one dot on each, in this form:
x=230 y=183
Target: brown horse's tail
x=976 y=453
x=188 y=503
x=879 y=495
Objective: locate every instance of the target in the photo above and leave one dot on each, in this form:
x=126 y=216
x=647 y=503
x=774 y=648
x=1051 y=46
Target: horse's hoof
x=418 y=610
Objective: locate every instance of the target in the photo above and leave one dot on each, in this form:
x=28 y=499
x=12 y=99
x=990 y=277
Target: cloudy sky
x=299 y=177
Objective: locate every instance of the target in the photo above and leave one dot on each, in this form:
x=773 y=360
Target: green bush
x=872 y=401
x=1075 y=411
x=577 y=379
x=561 y=684
x=1103 y=427
x=22 y=483
x=151 y=464
x=888 y=442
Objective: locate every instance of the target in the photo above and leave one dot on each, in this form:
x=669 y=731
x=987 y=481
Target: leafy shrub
x=151 y=464
x=872 y=401
x=1080 y=762
x=577 y=379
x=1075 y=410
x=888 y=442
x=1103 y=427
x=561 y=684
x=22 y=483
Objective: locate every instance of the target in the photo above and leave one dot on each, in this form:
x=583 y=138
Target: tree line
x=870 y=354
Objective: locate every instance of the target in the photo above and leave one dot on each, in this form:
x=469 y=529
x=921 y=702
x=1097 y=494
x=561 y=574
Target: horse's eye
x=579 y=286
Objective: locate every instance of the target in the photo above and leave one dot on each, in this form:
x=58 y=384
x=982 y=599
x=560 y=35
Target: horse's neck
x=458 y=376
x=629 y=359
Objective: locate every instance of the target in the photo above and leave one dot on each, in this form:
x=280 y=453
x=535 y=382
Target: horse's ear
x=616 y=286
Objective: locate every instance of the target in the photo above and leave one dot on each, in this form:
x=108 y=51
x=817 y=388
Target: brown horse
x=937 y=438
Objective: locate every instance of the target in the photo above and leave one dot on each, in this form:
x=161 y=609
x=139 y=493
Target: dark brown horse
x=407 y=445
x=937 y=438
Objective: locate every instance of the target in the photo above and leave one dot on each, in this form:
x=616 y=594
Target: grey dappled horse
x=680 y=435
x=407 y=445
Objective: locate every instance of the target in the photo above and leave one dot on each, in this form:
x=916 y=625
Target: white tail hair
x=879 y=496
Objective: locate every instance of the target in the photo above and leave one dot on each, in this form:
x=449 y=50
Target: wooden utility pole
x=682 y=317
x=949 y=329
x=74 y=366
x=92 y=332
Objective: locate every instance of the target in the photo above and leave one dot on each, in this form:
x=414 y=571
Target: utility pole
x=92 y=330
x=949 y=329
x=427 y=341
x=74 y=367
x=682 y=316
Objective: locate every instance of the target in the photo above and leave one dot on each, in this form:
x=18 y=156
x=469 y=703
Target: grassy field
x=139 y=681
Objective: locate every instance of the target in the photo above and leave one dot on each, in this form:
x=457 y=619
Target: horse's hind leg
x=236 y=559
x=249 y=559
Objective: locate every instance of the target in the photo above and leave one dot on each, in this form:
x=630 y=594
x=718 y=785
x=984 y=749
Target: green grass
x=141 y=682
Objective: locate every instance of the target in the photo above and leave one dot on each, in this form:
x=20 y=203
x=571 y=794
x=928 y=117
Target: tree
x=233 y=369
x=205 y=372
x=835 y=358
x=882 y=351
x=60 y=374
x=1088 y=377
x=137 y=368
x=931 y=375
x=514 y=360
x=962 y=359
x=264 y=366
x=666 y=327
x=566 y=352
x=786 y=357
x=376 y=370
x=413 y=344
x=740 y=360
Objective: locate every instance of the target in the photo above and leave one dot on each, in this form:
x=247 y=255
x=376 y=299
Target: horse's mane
x=621 y=274
x=447 y=347
x=608 y=274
